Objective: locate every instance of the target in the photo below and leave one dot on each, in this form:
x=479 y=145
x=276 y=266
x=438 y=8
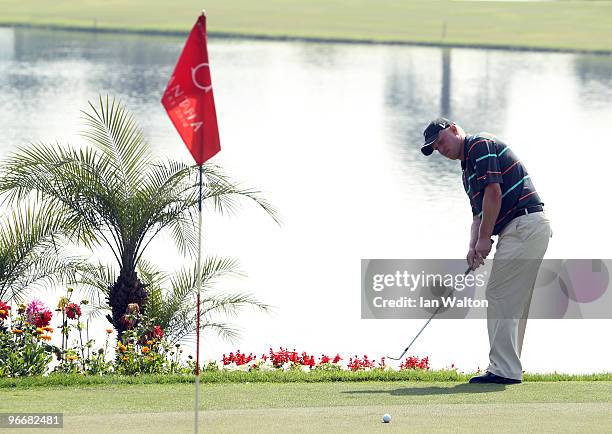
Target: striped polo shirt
x=488 y=160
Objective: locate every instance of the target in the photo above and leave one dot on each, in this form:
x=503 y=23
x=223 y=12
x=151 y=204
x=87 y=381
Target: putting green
x=324 y=407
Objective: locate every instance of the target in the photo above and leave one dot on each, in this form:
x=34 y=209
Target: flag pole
x=199 y=285
x=188 y=95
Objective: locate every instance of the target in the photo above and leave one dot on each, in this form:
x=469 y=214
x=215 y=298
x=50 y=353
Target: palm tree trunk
x=127 y=289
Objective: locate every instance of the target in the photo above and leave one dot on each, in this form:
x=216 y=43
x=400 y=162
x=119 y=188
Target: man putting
x=504 y=203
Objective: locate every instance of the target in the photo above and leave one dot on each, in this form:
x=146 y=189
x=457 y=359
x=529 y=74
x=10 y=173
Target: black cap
x=431 y=133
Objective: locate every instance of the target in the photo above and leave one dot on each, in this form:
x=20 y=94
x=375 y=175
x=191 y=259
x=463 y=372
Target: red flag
x=189 y=100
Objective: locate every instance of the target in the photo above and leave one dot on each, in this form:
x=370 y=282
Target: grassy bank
x=564 y=25
x=325 y=407
x=59 y=380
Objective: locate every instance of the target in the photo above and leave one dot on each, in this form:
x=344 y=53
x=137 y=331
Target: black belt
x=528 y=210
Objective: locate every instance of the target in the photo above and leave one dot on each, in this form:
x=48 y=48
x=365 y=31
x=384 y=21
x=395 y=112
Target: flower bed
x=26 y=348
x=283 y=359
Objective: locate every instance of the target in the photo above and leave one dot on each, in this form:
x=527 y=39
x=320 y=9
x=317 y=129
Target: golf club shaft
x=423 y=328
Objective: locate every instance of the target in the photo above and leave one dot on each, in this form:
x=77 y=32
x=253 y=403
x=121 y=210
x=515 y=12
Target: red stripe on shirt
x=527 y=195
x=474 y=144
x=515 y=163
x=505 y=215
x=484 y=176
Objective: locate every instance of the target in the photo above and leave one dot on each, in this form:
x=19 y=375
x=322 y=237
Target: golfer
x=504 y=203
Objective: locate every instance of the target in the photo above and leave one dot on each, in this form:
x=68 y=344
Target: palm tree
x=115 y=194
x=171 y=303
x=31 y=251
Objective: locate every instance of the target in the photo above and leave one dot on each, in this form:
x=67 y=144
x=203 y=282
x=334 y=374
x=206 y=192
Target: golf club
x=423 y=328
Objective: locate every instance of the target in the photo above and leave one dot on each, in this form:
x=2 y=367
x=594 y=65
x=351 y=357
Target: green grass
x=57 y=380
x=324 y=407
x=569 y=25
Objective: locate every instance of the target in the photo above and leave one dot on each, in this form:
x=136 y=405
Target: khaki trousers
x=520 y=248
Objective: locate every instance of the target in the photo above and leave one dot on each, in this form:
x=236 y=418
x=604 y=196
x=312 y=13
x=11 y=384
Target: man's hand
x=482 y=249
x=471 y=258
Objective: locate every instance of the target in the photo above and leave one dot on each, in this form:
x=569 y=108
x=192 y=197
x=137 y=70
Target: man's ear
x=453 y=128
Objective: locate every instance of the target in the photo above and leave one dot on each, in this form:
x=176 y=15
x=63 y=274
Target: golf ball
x=387 y=418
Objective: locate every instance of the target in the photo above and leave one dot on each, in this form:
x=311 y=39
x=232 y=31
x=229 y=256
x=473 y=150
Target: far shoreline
x=298 y=38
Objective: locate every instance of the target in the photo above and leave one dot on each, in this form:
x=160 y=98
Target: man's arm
x=491 y=204
x=474 y=232
x=473 y=239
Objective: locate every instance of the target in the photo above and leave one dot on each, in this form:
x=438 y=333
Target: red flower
x=4 y=310
x=38 y=314
x=357 y=364
x=282 y=356
x=158 y=332
x=73 y=311
x=415 y=363
x=126 y=322
x=238 y=358
x=324 y=359
x=42 y=319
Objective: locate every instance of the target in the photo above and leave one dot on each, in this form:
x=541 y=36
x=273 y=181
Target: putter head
x=401 y=355
x=393 y=358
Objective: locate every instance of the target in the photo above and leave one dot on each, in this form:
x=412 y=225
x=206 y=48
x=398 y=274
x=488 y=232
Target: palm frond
x=174 y=308
x=31 y=251
x=231 y=304
x=224 y=193
x=76 y=182
x=114 y=131
x=151 y=275
x=96 y=280
x=224 y=330
x=97 y=311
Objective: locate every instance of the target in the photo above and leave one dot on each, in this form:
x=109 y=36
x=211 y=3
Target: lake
x=330 y=133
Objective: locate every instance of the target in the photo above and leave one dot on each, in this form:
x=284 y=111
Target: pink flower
x=38 y=314
x=33 y=308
